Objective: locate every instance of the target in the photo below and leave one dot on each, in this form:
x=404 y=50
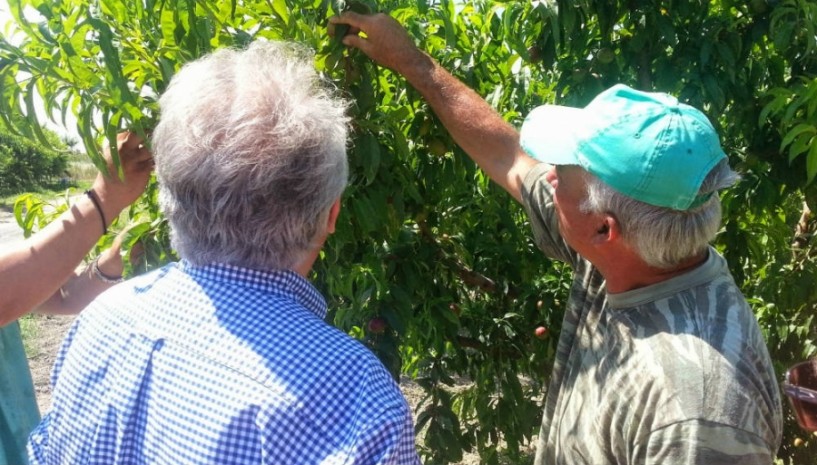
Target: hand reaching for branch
x=385 y=41
x=83 y=287
x=114 y=193
x=38 y=267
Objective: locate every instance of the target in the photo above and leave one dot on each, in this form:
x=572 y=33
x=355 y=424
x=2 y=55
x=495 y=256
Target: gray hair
x=663 y=237
x=250 y=155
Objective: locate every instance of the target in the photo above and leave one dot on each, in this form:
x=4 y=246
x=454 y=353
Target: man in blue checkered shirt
x=224 y=357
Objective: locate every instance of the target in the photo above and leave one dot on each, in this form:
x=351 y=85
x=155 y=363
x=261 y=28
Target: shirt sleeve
x=386 y=437
x=381 y=433
x=705 y=443
x=537 y=198
x=387 y=440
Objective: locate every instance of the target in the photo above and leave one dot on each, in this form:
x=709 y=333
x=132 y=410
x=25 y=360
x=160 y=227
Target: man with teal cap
x=660 y=359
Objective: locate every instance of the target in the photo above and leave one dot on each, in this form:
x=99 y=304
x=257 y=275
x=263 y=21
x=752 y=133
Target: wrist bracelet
x=92 y=195
x=102 y=276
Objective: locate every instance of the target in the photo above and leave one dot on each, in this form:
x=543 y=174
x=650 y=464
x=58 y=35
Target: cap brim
x=549 y=134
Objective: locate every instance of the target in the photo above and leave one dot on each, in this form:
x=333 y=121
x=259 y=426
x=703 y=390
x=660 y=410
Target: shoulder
x=537 y=199
x=689 y=362
x=536 y=192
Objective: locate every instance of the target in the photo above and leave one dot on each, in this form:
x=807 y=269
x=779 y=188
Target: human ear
x=334 y=212
x=608 y=231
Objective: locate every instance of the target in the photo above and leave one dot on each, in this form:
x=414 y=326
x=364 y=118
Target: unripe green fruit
x=425 y=127
x=437 y=147
x=758 y=7
x=606 y=56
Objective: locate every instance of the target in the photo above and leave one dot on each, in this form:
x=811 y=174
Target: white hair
x=250 y=155
x=663 y=237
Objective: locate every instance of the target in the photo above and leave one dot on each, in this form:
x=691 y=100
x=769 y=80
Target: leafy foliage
x=25 y=165
x=425 y=243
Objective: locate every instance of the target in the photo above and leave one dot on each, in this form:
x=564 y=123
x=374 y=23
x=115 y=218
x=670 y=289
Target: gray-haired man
x=660 y=359
x=225 y=357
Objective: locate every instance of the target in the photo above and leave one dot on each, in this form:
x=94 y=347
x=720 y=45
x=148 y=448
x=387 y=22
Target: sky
x=3 y=11
x=70 y=130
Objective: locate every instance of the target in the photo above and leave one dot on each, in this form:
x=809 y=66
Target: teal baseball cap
x=646 y=145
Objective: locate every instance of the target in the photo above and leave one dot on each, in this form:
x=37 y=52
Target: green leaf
x=811 y=164
x=281 y=9
x=714 y=91
x=726 y=54
x=801 y=145
x=369 y=152
x=796 y=132
x=115 y=77
x=31 y=112
x=86 y=132
x=20 y=207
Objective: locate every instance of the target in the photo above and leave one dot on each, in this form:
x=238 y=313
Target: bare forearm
x=476 y=127
x=84 y=285
x=36 y=269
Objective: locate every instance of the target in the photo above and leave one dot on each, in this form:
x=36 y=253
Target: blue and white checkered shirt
x=219 y=365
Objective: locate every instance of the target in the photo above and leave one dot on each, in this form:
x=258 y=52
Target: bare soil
x=48 y=332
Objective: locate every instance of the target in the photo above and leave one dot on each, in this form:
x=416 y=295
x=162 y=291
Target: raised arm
x=87 y=283
x=476 y=127
x=34 y=270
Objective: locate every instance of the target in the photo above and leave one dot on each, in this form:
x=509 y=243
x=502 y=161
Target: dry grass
x=80 y=168
x=81 y=171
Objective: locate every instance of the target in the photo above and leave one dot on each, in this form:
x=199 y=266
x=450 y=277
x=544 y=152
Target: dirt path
x=48 y=331
x=10 y=232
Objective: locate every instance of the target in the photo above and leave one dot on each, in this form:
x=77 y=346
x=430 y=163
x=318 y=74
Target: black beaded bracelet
x=92 y=195
x=102 y=276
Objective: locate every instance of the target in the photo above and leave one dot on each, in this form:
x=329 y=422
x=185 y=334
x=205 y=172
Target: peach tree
x=432 y=266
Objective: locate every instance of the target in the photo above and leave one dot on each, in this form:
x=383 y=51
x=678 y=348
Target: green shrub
x=26 y=166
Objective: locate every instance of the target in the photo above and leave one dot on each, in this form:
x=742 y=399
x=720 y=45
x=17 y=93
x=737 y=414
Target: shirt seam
x=641 y=442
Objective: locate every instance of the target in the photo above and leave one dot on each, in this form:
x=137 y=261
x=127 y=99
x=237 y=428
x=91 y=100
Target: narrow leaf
x=811 y=164
x=280 y=8
x=795 y=132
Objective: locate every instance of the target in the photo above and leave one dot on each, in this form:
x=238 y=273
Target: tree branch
x=802 y=235
x=469 y=277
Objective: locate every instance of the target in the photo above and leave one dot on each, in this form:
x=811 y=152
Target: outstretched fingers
x=133 y=150
x=352 y=37
x=380 y=37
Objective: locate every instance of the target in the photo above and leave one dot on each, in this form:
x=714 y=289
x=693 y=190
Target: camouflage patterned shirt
x=673 y=373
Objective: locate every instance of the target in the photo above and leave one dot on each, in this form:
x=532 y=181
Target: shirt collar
x=283 y=282
x=706 y=272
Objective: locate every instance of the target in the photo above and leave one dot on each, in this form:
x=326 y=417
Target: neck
x=304 y=266
x=632 y=273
